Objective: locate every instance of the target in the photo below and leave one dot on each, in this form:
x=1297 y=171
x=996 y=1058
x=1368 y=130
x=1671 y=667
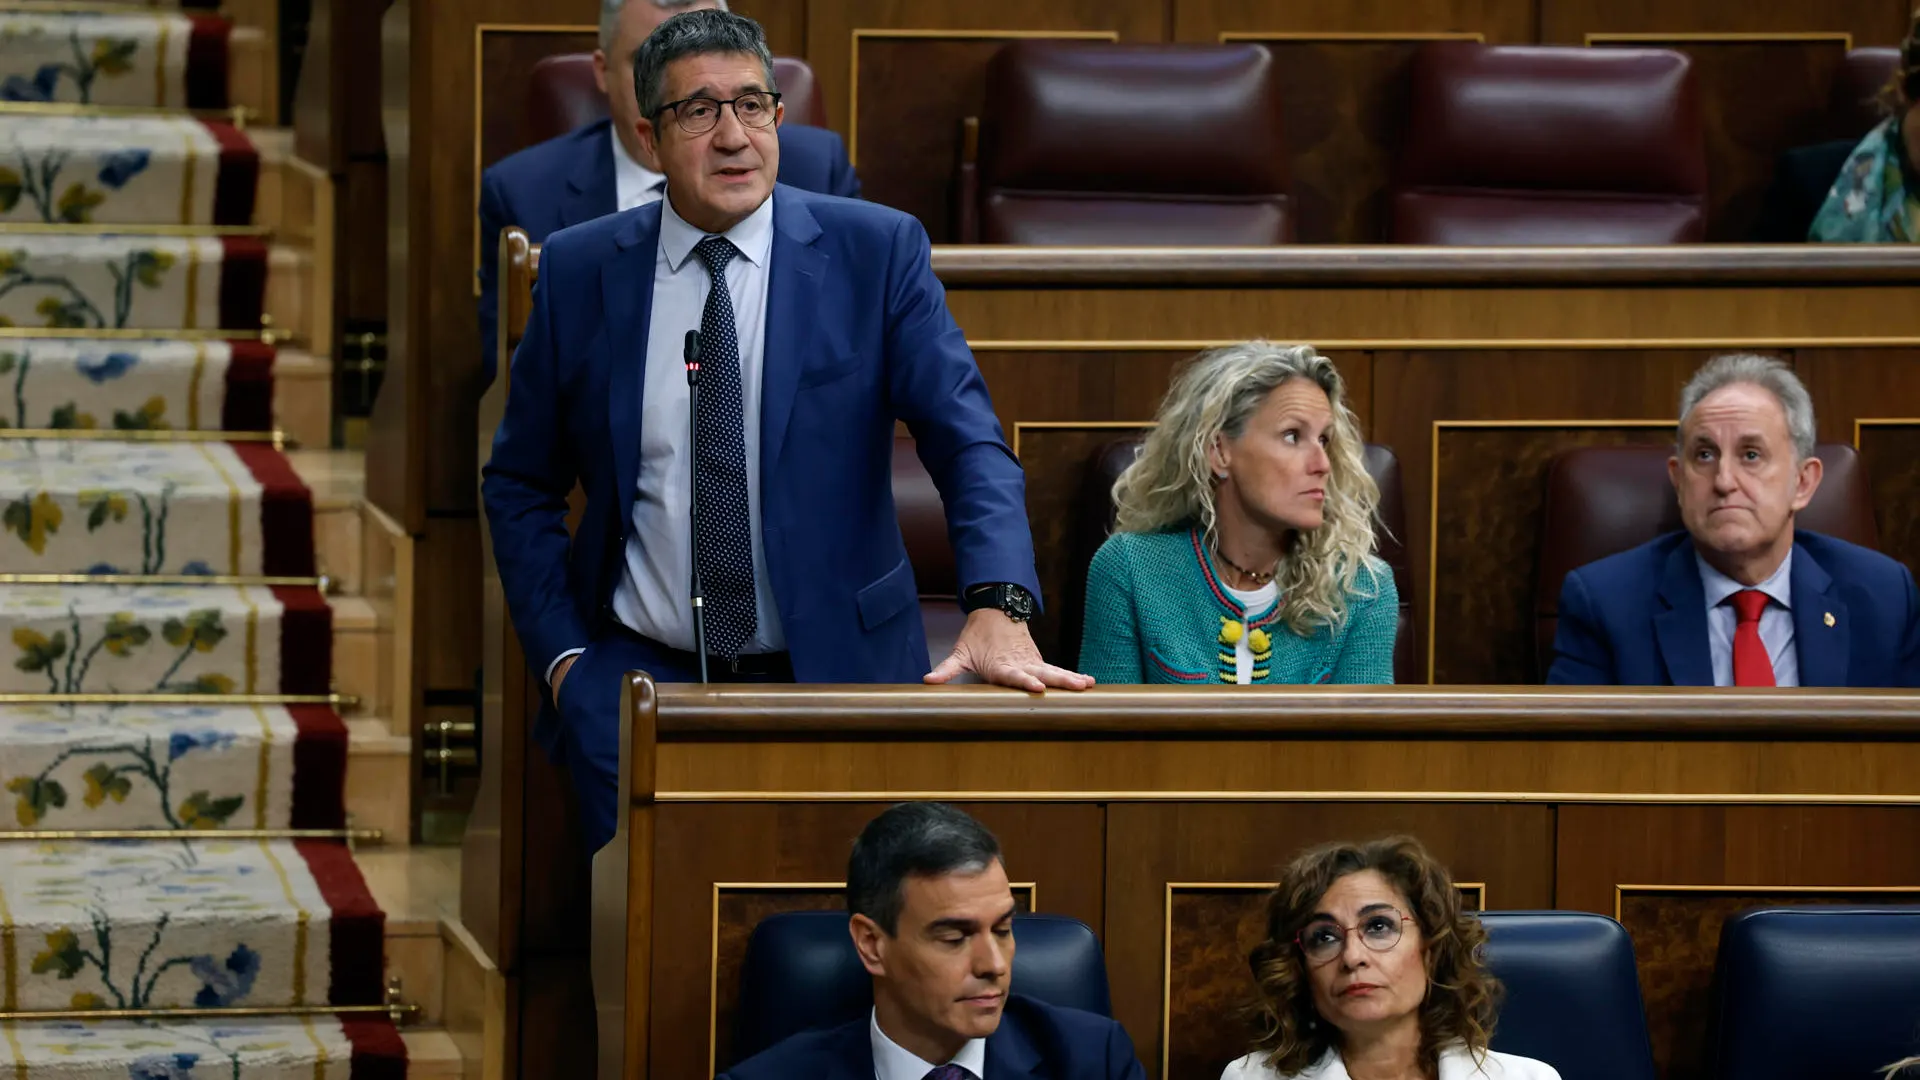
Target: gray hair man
x=1741 y=597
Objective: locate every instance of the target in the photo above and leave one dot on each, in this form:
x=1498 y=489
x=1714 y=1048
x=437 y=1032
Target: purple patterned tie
x=949 y=1072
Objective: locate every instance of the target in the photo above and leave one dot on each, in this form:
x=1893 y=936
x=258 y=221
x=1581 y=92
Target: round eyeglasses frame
x=1299 y=939
x=772 y=98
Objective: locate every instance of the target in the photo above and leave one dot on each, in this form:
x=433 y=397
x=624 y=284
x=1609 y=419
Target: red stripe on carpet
x=248 y=405
x=357 y=928
x=207 y=62
x=379 y=1053
x=243 y=279
x=319 y=768
x=239 y=176
x=286 y=512
x=306 y=642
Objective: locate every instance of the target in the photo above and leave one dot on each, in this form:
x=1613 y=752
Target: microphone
x=696 y=591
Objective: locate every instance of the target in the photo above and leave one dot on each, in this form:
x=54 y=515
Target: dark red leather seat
x=1523 y=145
x=1095 y=522
x=1855 y=106
x=923 y=525
x=1602 y=500
x=1094 y=144
x=561 y=95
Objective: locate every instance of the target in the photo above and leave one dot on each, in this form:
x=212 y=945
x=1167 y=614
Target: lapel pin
x=1828 y=618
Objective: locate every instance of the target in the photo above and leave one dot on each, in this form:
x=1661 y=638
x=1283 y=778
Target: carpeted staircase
x=170 y=643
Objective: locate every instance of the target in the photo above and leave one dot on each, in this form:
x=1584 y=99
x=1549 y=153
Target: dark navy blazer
x=1035 y=1040
x=858 y=336
x=1639 y=618
x=569 y=179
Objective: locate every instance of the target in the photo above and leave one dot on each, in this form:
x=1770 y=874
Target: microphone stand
x=696 y=590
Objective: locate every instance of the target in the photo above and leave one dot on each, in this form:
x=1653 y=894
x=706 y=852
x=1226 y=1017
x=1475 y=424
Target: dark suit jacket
x=1639 y=618
x=569 y=179
x=1035 y=1040
x=1801 y=179
x=858 y=336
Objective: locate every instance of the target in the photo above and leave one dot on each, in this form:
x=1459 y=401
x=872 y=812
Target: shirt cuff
x=556 y=663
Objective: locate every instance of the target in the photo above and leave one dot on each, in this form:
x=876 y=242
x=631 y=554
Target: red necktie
x=1751 y=667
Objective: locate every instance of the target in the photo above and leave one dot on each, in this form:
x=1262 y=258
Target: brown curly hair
x=1904 y=90
x=1462 y=996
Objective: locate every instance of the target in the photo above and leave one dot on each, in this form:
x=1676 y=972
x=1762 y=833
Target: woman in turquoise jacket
x=1243 y=547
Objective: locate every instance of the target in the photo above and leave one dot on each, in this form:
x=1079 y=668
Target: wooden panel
x=1757 y=100
x=1413 y=390
x=1829 y=852
x=785 y=22
x=1871 y=22
x=1067 y=513
x=909 y=97
x=1488 y=491
x=741 y=908
x=507 y=56
x=448 y=562
x=1150 y=846
x=831 y=28
x=1891 y=452
x=1502 y=21
x=1055 y=846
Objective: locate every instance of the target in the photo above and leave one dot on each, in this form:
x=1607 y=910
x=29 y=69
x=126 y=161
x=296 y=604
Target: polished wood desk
x=1158 y=815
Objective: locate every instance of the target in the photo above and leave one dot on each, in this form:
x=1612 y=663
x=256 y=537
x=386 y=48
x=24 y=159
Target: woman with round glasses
x=1371 y=970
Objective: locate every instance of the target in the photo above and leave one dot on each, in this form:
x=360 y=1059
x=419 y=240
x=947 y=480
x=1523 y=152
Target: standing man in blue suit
x=603 y=167
x=1740 y=598
x=932 y=920
x=820 y=324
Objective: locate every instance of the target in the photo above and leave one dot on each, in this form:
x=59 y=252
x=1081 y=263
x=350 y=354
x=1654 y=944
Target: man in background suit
x=1740 y=598
x=932 y=920
x=820 y=325
x=602 y=167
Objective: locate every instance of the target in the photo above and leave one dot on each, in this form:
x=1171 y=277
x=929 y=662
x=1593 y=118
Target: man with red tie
x=1741 y=598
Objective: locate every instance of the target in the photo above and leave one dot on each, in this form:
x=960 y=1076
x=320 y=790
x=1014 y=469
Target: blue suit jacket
x=1035 y=1040
x=858 y=336
x=569 y=179
x=1639 y=618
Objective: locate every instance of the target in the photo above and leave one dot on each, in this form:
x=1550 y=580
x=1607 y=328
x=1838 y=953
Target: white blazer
x=1456 y=1063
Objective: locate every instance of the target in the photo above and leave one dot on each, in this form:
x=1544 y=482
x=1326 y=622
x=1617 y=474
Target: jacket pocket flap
x=887 y=596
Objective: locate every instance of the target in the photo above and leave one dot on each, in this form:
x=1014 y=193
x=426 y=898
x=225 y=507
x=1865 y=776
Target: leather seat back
x=1528 y=145
x=561 y=95
x=923 y=525
x=1572 y=994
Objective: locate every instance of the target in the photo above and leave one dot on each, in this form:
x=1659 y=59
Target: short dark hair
x=912 y=839
x=694 y=33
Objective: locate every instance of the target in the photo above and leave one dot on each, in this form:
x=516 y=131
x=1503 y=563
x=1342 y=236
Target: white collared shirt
x=891 y=1061
x=1456 y=1063
x=633 y=183
x=1776 y=621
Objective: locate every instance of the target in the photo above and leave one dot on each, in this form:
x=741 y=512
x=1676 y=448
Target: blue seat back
x=1572 y=994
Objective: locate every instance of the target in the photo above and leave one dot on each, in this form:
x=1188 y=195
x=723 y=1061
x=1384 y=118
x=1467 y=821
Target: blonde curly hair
x=1170 y=485
x=1463 y=997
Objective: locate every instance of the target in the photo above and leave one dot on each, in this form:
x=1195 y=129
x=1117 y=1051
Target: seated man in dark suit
x=1740 y=598
x=601 y=168
x=933 y=921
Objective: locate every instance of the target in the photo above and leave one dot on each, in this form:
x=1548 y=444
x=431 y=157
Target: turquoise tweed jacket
x=1157 y=613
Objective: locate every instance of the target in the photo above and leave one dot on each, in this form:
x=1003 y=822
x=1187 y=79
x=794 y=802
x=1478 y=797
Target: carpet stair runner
x=166 y=922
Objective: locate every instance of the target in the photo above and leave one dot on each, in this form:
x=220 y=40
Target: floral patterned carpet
x=135 y=699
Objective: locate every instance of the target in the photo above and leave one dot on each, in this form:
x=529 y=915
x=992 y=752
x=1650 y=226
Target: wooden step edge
x=374 y=737
x=432 y=1054
x=354 y=615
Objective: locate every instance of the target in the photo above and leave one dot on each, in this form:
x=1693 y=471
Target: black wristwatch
x=1015 y=601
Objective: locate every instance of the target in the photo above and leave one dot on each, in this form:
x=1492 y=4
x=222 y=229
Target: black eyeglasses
x=1324 y=939
x=699 y=115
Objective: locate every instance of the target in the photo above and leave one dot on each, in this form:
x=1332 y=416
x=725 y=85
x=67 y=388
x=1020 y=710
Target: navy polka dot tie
x=726 y=538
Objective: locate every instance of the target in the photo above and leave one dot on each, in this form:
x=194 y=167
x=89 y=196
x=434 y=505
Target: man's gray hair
x=1765 y=372
x=610 y=14
x=694 y=33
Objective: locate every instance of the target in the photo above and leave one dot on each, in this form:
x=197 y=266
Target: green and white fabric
x=90 y=282
x=157 y=385
x=71 y=170
x=111 y=639
x=132 y=59
x=85 y=506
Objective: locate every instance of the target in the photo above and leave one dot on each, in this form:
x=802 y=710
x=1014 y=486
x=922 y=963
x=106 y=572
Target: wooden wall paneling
x=785 y=22
x=831 y=30
x=910 y=91
x=1057 y=847
x=1891 y=450
x=1505 y=22
x=451 y=648
x=1673 y=874
x=1414 y=390
x=1760 y=95
x=1863 y=397
x=1208 y=847
x=1871 y=22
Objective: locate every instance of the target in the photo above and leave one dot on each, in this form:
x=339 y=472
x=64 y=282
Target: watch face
x=1018 y=604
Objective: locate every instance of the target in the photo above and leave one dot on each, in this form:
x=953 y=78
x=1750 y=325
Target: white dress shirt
x=1456 y=1063
x=633 y=183
x=891 y=1061
x=1776 y=622
x=655 y=577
